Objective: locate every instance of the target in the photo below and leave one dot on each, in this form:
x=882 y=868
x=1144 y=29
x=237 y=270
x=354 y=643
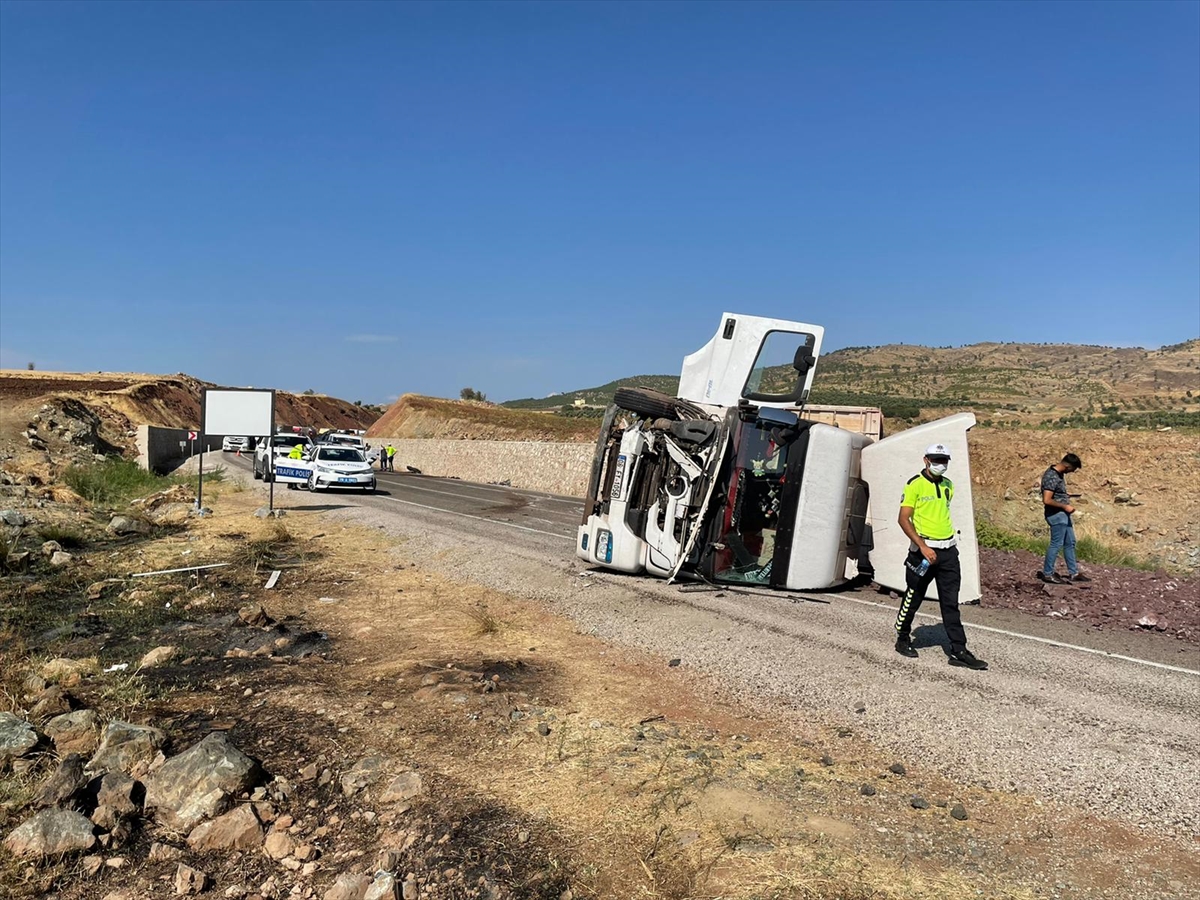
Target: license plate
x=347 y=481
x=604 y=546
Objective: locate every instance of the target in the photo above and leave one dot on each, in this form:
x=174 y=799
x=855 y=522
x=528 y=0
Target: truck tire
x=646 y=402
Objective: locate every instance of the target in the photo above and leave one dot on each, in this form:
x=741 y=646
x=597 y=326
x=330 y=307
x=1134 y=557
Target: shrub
x=117 y=480
x=67 y=537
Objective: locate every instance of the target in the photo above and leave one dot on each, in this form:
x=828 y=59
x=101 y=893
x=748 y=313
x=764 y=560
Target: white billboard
x=237 y=411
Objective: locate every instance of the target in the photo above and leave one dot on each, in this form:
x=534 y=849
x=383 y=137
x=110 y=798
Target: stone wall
x=534 y=465
x=158 y=448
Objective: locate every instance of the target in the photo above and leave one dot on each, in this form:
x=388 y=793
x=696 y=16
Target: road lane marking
x=1041 y=640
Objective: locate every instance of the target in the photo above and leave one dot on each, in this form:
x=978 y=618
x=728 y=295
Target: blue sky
x=368 y=199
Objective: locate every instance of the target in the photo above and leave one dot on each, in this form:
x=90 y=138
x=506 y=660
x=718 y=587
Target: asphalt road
x=1101 y=721
x=550 y=515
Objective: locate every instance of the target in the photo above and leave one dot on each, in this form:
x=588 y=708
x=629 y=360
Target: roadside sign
x=192 y=435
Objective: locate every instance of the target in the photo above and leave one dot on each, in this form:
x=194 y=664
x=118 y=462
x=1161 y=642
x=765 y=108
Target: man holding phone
x=1057 y=507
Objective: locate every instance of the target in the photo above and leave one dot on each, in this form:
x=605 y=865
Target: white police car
x=334 y=465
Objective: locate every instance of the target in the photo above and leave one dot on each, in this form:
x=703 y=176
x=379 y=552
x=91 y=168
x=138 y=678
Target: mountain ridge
x=1031 y=383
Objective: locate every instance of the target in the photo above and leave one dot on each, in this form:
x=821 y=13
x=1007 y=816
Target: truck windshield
x=750 y=519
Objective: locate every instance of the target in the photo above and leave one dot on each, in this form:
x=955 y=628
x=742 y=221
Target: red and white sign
x=192 y=435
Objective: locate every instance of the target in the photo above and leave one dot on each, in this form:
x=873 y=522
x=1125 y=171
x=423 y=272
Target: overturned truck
x=730 y=483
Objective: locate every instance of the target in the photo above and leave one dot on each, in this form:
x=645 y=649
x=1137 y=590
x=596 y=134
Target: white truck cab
x=729 y=483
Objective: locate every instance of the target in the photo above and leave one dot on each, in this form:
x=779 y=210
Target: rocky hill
x=415 y=416
x=1026 y=384
x=115 y=403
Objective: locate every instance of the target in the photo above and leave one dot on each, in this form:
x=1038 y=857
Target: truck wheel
x=646 y=402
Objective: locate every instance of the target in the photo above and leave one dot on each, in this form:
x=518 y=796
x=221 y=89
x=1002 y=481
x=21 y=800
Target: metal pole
x=200 y=482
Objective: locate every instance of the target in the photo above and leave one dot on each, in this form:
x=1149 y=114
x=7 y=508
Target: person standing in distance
x=1056 y=503
x=933 y=555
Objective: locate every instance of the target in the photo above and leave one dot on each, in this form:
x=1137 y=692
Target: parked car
x=235 y=442
x=334 y=465
x=270 y=450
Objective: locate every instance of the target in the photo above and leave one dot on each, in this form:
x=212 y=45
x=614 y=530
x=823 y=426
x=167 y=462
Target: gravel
x=1093 y=732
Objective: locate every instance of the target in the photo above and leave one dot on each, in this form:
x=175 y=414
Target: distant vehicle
x=335 y=465
x=234 y=442
x=349 y=439
x=271 y=449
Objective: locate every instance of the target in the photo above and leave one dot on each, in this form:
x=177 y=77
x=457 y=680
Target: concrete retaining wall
x=158 y=448
x=534 y=465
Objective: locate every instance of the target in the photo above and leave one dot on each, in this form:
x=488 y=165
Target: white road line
x=1041 y=640
x=450 y=512
x=1014 y=634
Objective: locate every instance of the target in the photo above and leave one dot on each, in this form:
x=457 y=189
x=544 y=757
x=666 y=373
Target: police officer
x=933 y=556
x=297 y=452
x=391 y=458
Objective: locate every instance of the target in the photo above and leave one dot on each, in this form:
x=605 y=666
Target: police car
x=333 y=465
x=271 y=451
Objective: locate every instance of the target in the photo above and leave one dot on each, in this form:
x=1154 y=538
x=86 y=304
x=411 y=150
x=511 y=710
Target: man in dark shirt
x=1057 y=507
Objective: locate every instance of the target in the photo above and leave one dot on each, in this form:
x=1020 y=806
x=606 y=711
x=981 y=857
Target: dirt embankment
x=122 y=401
x=415 y=416
x=1140 y=491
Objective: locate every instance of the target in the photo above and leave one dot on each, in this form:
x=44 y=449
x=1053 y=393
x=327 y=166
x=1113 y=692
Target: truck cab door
x=887 y=466
x=768 y=362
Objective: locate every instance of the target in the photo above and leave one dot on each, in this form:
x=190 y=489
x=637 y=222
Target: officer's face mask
x=938 y=468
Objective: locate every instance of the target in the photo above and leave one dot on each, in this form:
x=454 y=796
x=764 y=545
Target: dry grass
x=484 y=622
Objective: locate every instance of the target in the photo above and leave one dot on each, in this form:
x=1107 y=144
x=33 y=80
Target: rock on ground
x=120 y=792
x=403 y=787
x=366 y=771
x=66 y=781
x=53 y=701
x=198 y=783
x=69 y=672
x=17 y=738
x=74 y=732
x=52 y=832
x=238 y=829
x=349 y=887
x=384 y=887
x=124 y=746
x=189 y=880
x=157 y=657
x=129 y=525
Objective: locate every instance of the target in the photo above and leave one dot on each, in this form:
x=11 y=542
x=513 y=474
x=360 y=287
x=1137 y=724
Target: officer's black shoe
x=967 y=660
x=905 y=648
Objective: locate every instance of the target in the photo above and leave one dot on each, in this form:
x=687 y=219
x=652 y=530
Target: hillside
x=1004 y=383
x=414 y=416
x=122 y=401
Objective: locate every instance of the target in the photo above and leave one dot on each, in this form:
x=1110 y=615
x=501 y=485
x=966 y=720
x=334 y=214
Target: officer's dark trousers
x=948 y=575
